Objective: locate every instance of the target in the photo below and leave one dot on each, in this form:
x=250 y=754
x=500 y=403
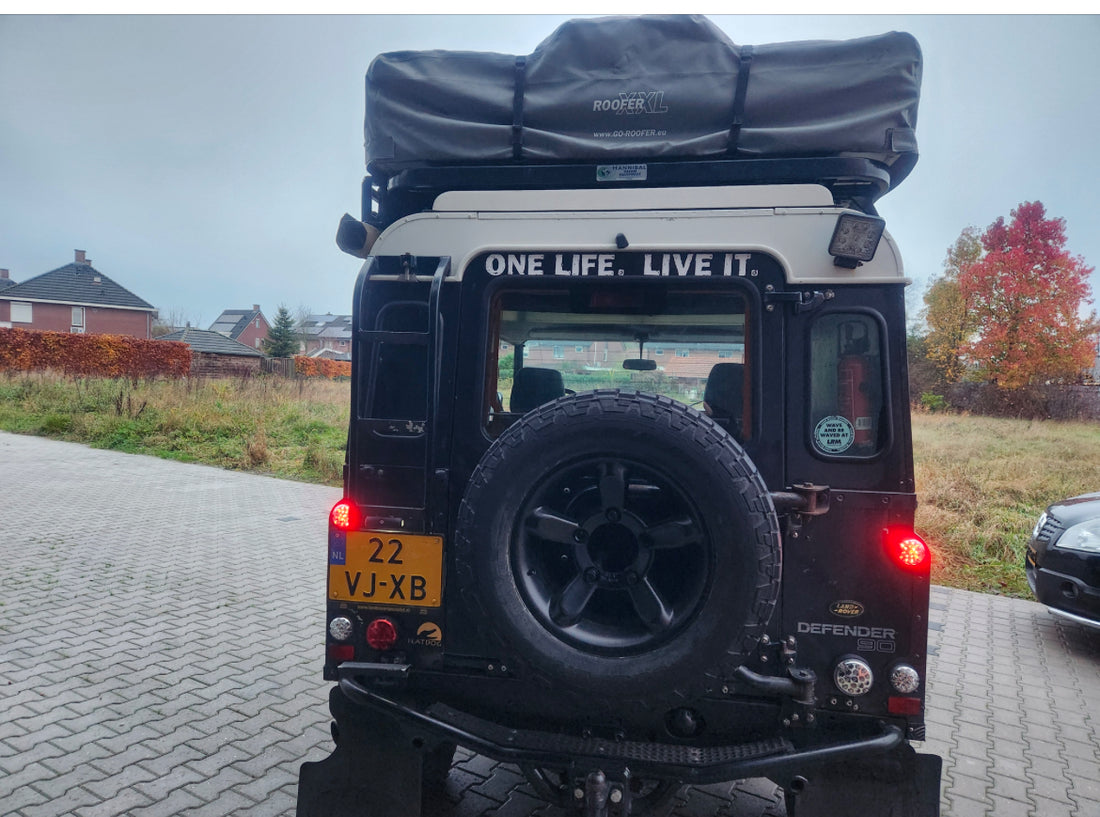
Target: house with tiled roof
x=212 y=353
x=249 y=326
x=327 y=336
x=76 y=298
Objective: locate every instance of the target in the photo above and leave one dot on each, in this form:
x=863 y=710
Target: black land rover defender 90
x=629 y=488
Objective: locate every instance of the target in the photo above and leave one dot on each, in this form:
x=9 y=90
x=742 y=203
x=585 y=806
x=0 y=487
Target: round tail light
x=905 y=679
x=381 y=634
x=340 y=628
x=853 y=677
x=907 y=550
x=344 y=515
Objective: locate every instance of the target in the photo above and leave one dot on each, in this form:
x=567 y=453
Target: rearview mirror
x=636 y=364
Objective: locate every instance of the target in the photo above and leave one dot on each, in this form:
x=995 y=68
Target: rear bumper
x=776 y=758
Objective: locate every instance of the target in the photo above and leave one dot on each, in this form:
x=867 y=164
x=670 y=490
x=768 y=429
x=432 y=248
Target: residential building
x=76 y=298
x=247 y=326
x=212 y=353
x=326 y=336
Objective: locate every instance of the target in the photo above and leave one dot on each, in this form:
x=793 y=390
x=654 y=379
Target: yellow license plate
x=388 y=568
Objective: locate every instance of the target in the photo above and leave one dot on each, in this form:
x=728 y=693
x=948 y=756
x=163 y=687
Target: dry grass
x=982 y=483
x=290 y=428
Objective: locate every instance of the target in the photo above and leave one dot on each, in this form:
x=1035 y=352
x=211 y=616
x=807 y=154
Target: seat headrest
x=534 y=386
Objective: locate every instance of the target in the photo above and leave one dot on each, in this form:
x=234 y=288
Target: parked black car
x=1063 y=559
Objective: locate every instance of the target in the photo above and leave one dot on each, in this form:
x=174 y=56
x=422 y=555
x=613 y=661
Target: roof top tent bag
x=646 y=88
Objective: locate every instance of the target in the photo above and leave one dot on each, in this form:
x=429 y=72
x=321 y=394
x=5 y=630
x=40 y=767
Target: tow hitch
x=604 y=798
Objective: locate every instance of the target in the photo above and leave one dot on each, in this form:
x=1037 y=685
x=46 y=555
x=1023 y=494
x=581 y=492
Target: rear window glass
x=548 y=342
x=847 y=411
x=399 y=382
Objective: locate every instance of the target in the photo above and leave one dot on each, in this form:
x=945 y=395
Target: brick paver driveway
x=160 y=654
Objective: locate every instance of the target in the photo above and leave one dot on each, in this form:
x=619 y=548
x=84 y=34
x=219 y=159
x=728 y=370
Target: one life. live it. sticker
x=834 y=435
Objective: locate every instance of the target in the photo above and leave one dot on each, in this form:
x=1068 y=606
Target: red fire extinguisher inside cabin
x=853 y=380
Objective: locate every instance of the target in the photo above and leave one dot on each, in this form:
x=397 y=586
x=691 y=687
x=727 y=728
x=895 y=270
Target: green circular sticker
x=834 y=435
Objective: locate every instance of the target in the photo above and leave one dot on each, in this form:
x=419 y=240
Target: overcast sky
x=203 y=162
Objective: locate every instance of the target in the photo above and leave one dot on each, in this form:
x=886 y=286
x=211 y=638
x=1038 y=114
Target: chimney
x=255 y=307
x=3 y=274
x=80 y=257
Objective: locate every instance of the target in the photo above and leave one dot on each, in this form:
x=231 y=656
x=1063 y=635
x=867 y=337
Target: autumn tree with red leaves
x=1025 y=296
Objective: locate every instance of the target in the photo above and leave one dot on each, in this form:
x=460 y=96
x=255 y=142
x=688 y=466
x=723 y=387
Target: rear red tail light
x=907 y=550
x=344 y=515
x=903 y=706
x=381 y=634
x=341 y=652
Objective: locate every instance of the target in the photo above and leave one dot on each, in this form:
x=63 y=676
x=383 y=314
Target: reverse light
x=344 y=515
x=381 y=634
x=907 y=550
x=905 y=679
x=340 y=628
x=853 y=676
x=855 y=239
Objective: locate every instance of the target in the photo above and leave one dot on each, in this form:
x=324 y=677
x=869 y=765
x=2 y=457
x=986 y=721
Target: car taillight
x=381 y=634
x=905 y=679
x=341 y=652
x=907 y=550
x=344 y=515
x=853 y=676
x=896 y=705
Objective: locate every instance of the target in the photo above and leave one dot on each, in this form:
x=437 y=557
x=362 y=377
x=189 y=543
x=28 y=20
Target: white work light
x=855 y=239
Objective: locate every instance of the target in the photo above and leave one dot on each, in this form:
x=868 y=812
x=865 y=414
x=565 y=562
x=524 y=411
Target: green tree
x=1026 y=296
x=282 y=338
x=946 y=314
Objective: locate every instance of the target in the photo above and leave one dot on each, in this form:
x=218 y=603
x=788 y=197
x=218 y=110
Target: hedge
x=321 y=367
x=23 y=350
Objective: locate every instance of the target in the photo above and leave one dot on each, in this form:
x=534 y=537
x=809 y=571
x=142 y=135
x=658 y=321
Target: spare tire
x=619 y=544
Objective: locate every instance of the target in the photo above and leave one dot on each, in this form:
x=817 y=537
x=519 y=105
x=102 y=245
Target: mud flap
x=899 y=784
x=375 y=770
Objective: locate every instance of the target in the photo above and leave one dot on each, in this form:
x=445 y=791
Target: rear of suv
x=629 y=490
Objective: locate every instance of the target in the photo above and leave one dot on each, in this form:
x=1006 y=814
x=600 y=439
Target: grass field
x=287 y=428
x=981 y=482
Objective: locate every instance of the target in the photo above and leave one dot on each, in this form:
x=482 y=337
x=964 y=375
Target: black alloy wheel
x=611 y=556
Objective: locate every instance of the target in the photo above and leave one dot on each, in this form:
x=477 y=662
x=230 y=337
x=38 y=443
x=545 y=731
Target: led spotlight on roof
x=855 y=239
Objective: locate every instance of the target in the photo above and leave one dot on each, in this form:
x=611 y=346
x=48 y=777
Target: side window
x=847 y=411
x=399 y=377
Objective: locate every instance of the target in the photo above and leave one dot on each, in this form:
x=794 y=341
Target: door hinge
x=801 y=301
x=803 y=498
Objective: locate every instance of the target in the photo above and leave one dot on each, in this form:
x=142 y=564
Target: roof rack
x=853 y=181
